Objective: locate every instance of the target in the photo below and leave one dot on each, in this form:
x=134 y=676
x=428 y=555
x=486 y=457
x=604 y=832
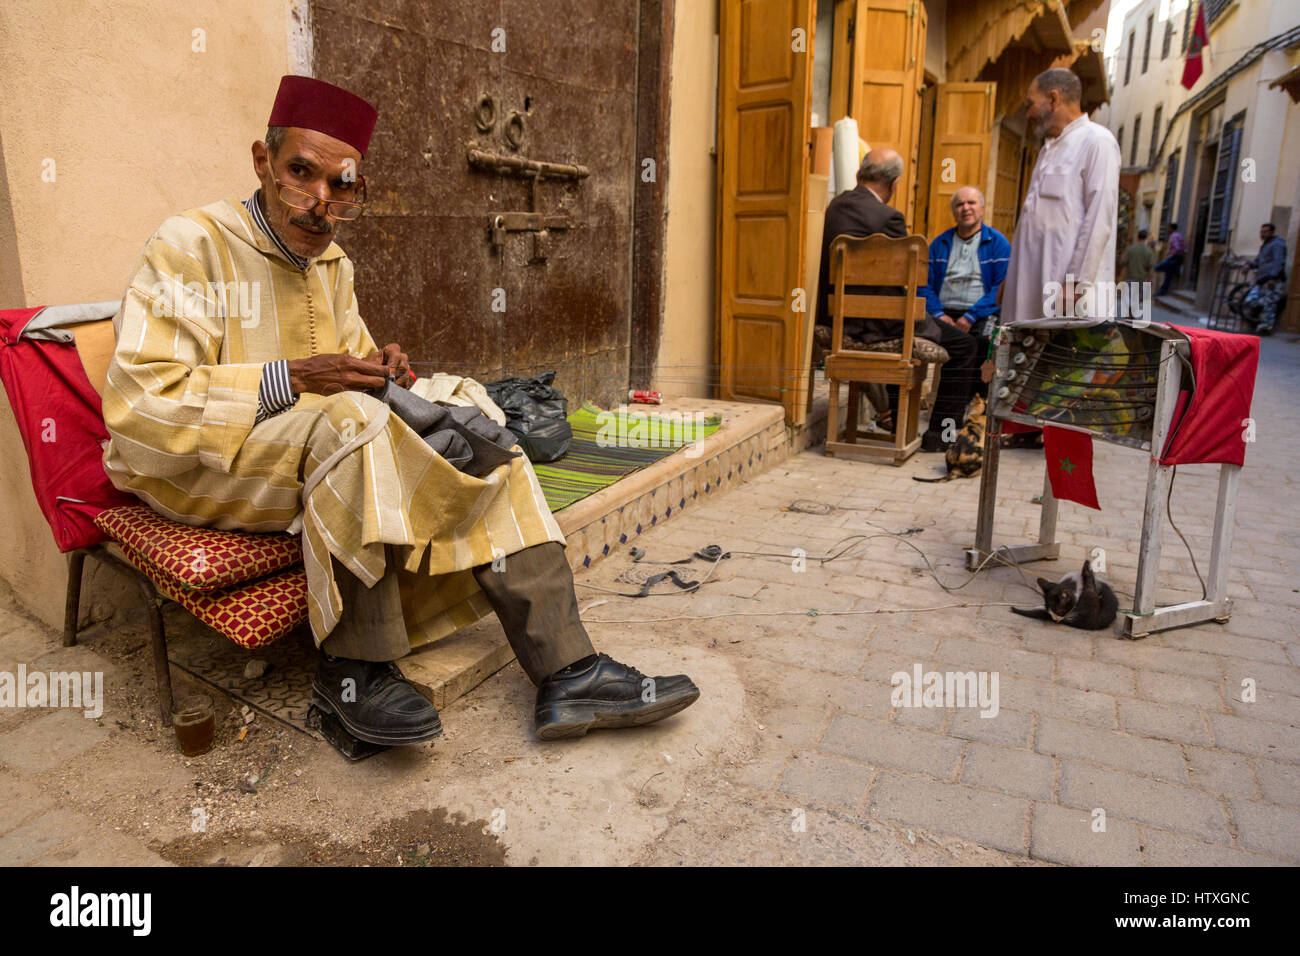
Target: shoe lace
x=634 y=673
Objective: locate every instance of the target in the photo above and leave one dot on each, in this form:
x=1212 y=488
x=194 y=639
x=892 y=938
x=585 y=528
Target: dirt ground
x=485 y=794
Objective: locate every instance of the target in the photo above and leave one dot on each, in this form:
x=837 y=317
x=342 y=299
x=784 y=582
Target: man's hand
x=944 y=317
x=396 y=360
x=331 y=374
x=987 y=370
x=964 y=323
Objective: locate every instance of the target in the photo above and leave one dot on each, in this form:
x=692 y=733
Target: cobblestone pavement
x=795 y=752
x=1154 y=734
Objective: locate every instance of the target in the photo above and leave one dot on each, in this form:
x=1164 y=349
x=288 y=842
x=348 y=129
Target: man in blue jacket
x=967 y=264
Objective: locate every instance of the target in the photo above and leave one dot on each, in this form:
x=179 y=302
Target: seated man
x=1262 y=301
x=967 y=264
x=237 y=398
x=865 y=211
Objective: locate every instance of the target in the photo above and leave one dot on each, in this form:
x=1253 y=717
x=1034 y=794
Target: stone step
x=1184 y=303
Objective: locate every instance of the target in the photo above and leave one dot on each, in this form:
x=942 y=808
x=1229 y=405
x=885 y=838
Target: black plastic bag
x=536 y=413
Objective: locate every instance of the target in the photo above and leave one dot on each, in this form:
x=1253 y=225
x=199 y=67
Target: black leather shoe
x=933 y=441
x=608 y=694
x=380 y=706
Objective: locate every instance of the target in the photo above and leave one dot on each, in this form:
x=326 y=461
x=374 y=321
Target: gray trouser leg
x=534 y=600
x=371 y=627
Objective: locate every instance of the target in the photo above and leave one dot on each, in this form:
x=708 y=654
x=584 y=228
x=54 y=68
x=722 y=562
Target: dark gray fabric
x=469 y=440
x=532 y=594
x=371 y=627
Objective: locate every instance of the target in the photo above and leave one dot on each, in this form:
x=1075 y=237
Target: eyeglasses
x=334 y=208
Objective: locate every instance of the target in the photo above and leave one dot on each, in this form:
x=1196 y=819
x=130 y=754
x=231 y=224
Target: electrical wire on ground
x=843 y=547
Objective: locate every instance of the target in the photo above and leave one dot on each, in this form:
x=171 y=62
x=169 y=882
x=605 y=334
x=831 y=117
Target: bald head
x=880 y=172
x=880 y=167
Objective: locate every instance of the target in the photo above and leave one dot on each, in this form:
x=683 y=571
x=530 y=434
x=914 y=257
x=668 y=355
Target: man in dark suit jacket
x=865 y=211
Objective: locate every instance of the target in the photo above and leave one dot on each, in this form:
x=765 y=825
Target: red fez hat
x=314 y=104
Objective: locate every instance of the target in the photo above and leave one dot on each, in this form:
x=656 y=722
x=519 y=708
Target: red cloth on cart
x=62 y=425
x=1209 y=424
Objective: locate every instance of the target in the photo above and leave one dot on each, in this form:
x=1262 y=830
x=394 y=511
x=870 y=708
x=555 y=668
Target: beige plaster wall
x=686 y=340
x=139 y=125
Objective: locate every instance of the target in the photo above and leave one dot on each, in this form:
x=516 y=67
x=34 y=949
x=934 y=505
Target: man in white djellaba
x=1062 y=268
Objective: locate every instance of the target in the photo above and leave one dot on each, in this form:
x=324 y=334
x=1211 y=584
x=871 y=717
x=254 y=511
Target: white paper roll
x=844 y=155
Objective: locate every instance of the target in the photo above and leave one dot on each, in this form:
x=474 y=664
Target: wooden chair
x=879 y=261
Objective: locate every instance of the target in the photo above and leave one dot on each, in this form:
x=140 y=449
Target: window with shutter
x=1146 y=46
x=1137 y=138
x=1155 y=135
x=1167 y=203
x=1224 y=180
x=1128 y=60
x=1169 y=39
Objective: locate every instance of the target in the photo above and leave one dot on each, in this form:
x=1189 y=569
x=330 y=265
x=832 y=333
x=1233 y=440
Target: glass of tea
x=194 y=721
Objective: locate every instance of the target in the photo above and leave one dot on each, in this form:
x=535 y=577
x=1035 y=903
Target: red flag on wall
x=1069 y=465
x=1192 y=66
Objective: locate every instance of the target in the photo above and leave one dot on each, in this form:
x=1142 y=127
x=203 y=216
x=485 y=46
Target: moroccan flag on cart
x=1069 y=465
x=1192 y=65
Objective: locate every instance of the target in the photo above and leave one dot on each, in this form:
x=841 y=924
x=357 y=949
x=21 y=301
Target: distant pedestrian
x=1172 y=264
x=1139 y=260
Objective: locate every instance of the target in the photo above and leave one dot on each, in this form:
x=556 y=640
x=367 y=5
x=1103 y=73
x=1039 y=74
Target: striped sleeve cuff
x=274 y=393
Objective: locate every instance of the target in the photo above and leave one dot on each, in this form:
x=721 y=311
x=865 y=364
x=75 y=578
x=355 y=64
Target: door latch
x=539 y=224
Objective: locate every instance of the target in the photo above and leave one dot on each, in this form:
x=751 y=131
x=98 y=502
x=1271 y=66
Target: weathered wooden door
x=548 y=80
x=765 y=86
x=963 y=129
x=885 y=92
x=1006 y=194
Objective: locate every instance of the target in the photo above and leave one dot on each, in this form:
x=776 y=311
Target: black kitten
x=1079 y=600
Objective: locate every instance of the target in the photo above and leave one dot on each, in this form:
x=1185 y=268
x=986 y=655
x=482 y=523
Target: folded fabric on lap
x=466 y=438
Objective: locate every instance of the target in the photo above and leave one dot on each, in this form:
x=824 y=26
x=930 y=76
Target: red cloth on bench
x=62 y=425
x=1209 y=423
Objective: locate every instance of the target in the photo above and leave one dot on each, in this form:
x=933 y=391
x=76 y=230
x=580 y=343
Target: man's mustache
x=315 y=223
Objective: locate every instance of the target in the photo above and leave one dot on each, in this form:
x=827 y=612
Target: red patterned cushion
x=252 y=616
x=201 y=559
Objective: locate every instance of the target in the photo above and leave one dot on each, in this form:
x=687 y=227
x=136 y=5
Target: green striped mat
x=610 y=445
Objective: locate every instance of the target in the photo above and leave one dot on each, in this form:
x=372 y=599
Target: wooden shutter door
x=765 y=89
x=963 y=128
x=1006 y=194
x=889 y=44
